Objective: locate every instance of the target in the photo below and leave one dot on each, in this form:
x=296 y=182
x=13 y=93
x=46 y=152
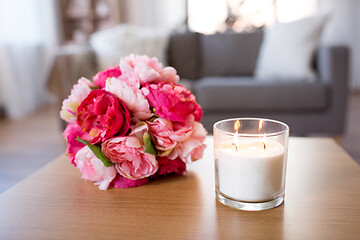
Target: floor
x=351 y=140
x=29 y=144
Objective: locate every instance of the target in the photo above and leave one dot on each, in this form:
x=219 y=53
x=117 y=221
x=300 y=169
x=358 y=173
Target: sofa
x=219 y=70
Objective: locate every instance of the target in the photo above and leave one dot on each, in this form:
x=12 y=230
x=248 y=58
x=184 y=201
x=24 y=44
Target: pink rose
x=102 y=116
x=93 y=169
x=168 y=166
x=193 y=148
x=101 y=77
x=70 y=105
x=148 y=69
x=123 y=182
x=129 y=157
x=165 y=135
x=132 y=97
x=72 y=131
x=172 y=101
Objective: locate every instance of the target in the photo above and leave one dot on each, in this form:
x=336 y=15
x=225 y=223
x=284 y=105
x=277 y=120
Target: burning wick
x=236 y=148
x=261 y=125
x=236 y=128
x=264 y=141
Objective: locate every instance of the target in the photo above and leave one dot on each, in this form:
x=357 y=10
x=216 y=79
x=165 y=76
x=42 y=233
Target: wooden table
x=322 y=202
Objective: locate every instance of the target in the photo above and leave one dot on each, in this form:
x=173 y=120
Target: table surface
x=321 y=202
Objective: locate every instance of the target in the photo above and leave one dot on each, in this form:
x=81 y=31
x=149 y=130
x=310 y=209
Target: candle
x=250 y=162
x=251 y=172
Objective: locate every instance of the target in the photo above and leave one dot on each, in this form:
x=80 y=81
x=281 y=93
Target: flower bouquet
x=131 y=124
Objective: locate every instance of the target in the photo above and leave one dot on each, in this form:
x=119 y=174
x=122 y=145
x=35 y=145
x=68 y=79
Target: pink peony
x=165 y=135
x=168 y=166
x=72 y=131
x=101 y=77
x=93 y=169
x=172 y=101
x=123 y=182
x=129 y=157
x=193 y=148
x=70 y=105
x=148 y=69
x=132 y=97
x=103 y=116
x=161 y=131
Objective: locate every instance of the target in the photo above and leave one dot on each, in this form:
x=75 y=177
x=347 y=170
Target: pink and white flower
x=165 y=135
x=168 y=166
x=172 y=101
x=93 y=169
x=132 y=97
x=129 y=157
x=148 y=69
x=70 y=105
x=193 y=148
x=71 y=132
x=101 y=77
x=123 y=182
x=102 y=116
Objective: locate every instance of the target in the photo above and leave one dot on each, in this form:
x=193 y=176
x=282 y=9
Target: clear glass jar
x=250 y=162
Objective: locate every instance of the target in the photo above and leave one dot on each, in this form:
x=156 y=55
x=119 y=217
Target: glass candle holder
x=250 y=162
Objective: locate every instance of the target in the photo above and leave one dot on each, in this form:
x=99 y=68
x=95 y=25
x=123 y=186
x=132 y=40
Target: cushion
x=288 y=48
x=183 y=52
x=113 y=43
x=246 y=93
x=230 y=54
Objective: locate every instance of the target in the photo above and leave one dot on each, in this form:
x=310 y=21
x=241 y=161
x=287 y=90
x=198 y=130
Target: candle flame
x=261 y=124
x=237 y=125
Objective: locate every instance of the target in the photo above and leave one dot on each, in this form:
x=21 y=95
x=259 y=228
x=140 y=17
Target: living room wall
x=344 y=28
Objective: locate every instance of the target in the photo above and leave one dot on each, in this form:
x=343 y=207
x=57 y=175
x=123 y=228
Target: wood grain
x=322 y=195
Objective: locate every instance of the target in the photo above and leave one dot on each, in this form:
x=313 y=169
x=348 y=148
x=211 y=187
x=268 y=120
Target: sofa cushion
x=246 y=93
x=288 y=49
x=230 y=54
x=183 y=54
x=111 y=44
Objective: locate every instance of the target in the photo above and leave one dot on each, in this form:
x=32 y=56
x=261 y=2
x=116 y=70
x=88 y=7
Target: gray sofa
x=219 y=69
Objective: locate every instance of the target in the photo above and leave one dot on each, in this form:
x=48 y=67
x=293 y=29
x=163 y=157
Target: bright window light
x=209 y=16
x=206 y=16
x=292 y=10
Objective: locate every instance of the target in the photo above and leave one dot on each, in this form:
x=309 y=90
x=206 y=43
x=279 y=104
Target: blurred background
x=34 y=32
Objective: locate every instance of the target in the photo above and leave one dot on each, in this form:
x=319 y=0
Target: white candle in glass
x=250 y=162
x=251 y=171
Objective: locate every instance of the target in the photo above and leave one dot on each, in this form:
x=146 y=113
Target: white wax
x=251 y=173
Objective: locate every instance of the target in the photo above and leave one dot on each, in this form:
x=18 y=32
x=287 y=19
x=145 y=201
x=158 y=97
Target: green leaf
x=97 y=152
x=152 y=118
x=149 y=146
x=155 y=115
x=162 y=154
x=94 y=87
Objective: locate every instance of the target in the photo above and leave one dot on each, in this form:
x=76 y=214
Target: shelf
x=80 y=18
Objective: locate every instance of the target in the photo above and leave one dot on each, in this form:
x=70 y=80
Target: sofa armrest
x=333 y=64
x=69 y=64
x=333 y=69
